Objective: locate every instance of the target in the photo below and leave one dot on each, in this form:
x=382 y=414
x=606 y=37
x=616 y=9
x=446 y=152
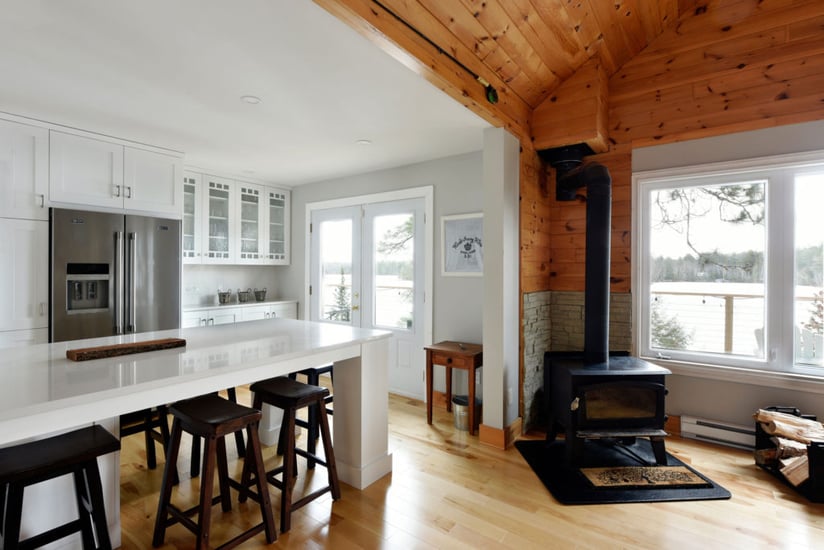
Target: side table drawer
x=446 y=360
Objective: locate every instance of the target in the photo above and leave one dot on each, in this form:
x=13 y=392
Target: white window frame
x=777 y=368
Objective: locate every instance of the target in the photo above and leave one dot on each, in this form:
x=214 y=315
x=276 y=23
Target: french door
x=367 y=270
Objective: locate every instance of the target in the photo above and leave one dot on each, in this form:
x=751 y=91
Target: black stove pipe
x=598 y=183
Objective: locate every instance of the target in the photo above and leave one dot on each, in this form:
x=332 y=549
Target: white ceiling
x=171 y=74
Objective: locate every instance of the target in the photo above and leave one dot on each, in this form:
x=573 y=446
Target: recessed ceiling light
x=363 y=142
x=250 y=99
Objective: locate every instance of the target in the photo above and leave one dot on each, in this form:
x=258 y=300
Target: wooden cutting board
x=99 y=352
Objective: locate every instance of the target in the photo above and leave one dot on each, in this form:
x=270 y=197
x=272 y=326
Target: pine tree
x=816 y=321
x=341 y=309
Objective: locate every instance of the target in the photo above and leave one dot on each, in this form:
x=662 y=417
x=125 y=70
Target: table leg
x=428 y=387
x=471 y=385
x=448 y=389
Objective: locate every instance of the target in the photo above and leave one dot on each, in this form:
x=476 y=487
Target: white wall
x=201 y=282
x=457 y=183
x=715 y=399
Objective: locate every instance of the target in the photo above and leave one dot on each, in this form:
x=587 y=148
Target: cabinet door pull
x=116 y=190
x=128 y=191
x=42 y=309
x=42 y=200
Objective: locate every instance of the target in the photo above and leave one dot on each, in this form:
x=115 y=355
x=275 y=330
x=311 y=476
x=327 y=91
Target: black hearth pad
x=569 y=486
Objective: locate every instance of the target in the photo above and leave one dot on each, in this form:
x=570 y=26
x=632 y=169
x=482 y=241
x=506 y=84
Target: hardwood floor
x=448 y=491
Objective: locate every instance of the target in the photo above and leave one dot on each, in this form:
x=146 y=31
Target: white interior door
x=367 y=269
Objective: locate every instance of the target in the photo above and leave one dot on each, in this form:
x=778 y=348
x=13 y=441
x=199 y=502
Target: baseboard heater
x=714 y=431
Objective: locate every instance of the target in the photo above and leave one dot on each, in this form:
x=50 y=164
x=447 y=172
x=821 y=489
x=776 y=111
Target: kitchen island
x=42 y=392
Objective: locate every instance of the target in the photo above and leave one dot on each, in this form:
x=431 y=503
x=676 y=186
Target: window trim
x=768 y=372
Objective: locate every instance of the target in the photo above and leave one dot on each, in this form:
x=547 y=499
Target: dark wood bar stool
x=73 y=453
x=311 y=423
x=154 y=425
x=213 y=418
x=291 y=395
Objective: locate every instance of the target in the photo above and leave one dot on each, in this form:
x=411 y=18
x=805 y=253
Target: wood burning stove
x=622 y=398
x=595 y=394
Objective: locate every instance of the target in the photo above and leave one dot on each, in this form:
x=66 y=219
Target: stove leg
x=658 y=450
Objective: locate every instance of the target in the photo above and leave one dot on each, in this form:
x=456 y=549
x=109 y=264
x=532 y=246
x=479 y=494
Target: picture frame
x=462 y=245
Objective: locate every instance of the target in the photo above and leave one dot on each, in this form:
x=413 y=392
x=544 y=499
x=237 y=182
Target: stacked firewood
x=791 y=435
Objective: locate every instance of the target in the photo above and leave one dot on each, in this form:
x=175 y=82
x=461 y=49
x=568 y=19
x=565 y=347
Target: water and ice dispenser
x=87 y=287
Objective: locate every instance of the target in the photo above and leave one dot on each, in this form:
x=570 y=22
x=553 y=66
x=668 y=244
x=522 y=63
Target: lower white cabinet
x=287 y=310
x=238 y=314
x=24 y=273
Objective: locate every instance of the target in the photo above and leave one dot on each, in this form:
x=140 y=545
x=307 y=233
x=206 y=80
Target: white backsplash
x=201 y=282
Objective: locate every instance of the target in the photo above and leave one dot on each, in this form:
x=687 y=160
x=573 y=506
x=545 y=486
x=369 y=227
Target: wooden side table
x=453 y=355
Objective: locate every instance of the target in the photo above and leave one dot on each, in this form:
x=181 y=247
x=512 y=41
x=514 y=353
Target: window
x=730 y=267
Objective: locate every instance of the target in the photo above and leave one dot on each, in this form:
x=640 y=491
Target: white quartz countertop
x=238 y=304
x=41 y=391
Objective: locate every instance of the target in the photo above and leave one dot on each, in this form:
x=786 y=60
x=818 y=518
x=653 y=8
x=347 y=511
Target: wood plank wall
x=728 y=66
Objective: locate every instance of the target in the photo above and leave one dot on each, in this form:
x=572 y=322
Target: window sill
x=785 y=380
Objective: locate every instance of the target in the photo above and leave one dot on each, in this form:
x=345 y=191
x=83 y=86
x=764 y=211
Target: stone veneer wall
x=537 y=333
x=554 y=321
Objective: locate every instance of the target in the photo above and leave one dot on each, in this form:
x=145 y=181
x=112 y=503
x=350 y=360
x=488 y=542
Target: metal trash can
x=460 y=412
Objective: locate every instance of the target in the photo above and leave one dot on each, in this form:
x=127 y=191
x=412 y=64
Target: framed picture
x=462 y=245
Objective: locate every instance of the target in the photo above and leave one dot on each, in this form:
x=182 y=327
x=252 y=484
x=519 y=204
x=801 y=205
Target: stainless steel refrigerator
x=112 y=274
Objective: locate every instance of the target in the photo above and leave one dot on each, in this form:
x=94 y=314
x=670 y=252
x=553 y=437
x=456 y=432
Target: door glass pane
x=394 y=270
x=809 y=270
x=336 y=270
x=707 y=247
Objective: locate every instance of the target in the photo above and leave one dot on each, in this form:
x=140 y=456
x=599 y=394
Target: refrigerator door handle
x=132 y=296
x=118 y=282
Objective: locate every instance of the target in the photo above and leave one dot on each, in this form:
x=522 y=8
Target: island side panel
x=361 y=419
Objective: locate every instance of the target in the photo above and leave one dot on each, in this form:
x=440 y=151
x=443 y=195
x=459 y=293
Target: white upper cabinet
x=24 y=171
x=228 y=221
x=152 y=182
x=87 y=171
x=219 y=245
x=277 y=230
x=24 y=274
x=251 y=223
x=192 y=218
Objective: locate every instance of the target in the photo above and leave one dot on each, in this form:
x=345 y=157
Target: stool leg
x=311 y=444
x=254 y=459
x=151 y=455
x=331 y=468
x=194 y=466
x=204 y=512
x=239 y=443
x=169 y=475
x=223 y=475
x=84 y=508
x=13 y=516
x=97 y=510
x=289 y=466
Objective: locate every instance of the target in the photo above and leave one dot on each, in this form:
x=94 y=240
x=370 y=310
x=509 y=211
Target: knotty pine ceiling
x=534 y=45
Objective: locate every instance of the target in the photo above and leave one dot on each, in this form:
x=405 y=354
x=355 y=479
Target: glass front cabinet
x=192 y=218
x=277 y=234
x=227 y=221
x=219 y=246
